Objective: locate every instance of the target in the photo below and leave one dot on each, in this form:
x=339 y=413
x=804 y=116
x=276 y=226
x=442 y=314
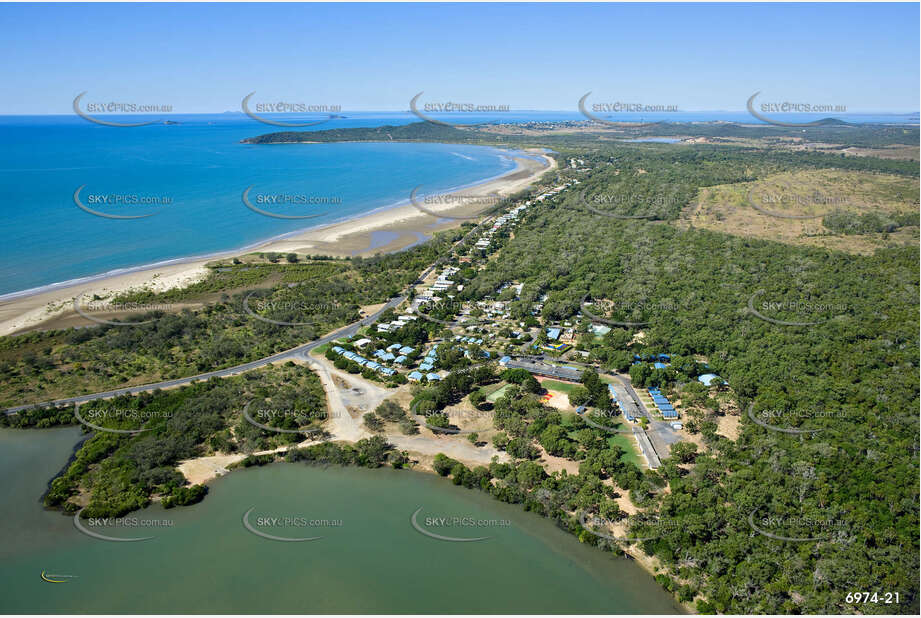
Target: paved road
x=660 y=433
x=297 y=352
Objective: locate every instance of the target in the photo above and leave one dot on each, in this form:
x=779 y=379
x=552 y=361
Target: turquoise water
x=374 y=562
x=202 y=169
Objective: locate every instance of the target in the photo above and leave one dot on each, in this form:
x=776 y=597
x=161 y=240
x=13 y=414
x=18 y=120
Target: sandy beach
x=383 y=231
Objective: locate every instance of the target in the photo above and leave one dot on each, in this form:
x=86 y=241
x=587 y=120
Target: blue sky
x=206 y=57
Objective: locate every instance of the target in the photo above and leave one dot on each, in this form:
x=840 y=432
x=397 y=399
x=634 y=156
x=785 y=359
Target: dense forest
x=839 y=361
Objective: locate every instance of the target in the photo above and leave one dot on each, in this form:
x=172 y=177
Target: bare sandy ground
x=348 y=238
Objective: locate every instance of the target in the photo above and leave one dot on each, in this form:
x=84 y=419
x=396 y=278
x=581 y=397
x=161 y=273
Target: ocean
x=191 y=176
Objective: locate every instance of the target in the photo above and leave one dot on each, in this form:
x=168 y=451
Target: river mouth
x=354 y=548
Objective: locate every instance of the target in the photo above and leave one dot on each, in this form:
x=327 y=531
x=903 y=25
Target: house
x=415 y=376
x=362 y=343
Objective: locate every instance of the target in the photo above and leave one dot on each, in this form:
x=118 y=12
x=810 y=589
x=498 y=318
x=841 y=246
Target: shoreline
x=401 y=224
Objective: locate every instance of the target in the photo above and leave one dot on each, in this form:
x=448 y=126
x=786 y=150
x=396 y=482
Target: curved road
x=300 y=350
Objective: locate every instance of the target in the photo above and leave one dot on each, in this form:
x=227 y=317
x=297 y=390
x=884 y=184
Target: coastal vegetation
x=115 y=473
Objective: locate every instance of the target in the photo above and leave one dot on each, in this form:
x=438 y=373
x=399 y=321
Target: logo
x=461 y=522
x=787 y=107
x=56 y=579
x=81 y=528
x=286 y=522
x=622 y=107
x=106 y=306
x=592 y=316
x=450 y=107
x=285 y=199
x=284 y=107
x=296 y=414
x=448 y=199
x=116 y=108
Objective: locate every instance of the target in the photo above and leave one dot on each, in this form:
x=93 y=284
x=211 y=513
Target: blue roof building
x=394 y=346
x=426 y=366
x=406 y=350
x=388 y=357
x=415 y=376
x=708 y=378
x=553 y=334
x=401 y=359
x=387 y=371
x=504 y=360
x=658 y=365
x=431 y=377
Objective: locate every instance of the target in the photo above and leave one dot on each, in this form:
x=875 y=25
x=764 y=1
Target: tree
x=500 y=440
x=292 y=258
x=477 y=398
x=373 y=422
x=579 y=396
